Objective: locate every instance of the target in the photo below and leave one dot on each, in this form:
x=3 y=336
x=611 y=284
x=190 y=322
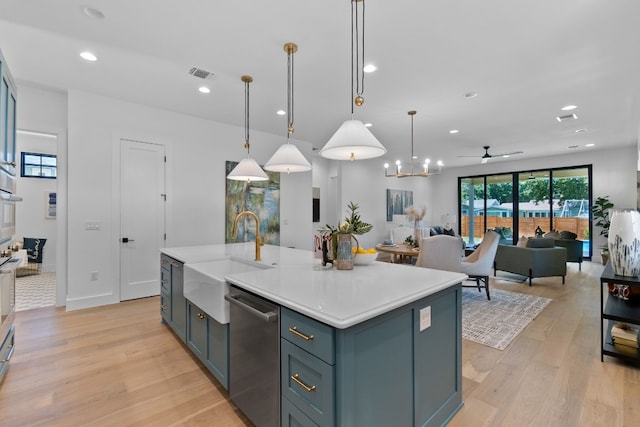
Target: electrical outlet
x=94 y=276
x=425 y=318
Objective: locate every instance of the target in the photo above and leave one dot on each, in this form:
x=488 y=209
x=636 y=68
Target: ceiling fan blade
x=469 y=156
x=513 y=153
x=484 y=160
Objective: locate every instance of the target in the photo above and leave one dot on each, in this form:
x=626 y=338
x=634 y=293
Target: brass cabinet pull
x=301 y=384
x=294 y=331
x=201 y=316
x=165 y=281
x=164 y=307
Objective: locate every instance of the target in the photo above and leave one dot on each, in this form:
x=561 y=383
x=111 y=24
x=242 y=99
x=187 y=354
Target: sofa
x=539 y=258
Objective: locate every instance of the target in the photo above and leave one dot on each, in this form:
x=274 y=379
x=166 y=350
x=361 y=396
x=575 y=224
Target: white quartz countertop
x=339 y=298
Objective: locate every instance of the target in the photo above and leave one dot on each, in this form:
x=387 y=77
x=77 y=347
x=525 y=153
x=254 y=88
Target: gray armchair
x=541 y=258
x=574 y=250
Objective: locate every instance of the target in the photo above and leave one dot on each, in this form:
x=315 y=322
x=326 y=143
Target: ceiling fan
x=486 y=156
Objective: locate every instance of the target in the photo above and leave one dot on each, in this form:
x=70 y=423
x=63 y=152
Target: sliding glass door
x=571 y=192
x=472 y=209
x=534 y=204
x=519 y=203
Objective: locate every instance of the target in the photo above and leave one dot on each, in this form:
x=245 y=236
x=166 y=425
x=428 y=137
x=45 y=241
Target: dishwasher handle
x=237 y=300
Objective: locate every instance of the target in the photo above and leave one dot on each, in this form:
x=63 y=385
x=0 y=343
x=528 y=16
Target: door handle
x=127 y=240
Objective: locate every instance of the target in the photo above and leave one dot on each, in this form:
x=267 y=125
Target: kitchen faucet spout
x=234 y=230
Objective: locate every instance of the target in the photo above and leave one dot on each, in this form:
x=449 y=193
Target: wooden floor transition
x=118 y=365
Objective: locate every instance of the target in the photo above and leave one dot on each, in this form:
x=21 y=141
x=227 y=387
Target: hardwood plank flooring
x=119 y=365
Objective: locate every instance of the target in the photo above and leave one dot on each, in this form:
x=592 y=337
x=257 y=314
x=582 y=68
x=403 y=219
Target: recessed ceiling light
x=204 y=89
x=581 y=130
x=569 y=107
x=89 y=56
x=368 y=125
x=369 y=68
x=454 y=131
x=281 y=112
x=92 y=12
x=470 y=95
x=589 y=145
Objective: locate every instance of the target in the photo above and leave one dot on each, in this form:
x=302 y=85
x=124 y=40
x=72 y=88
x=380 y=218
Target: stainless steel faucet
x=234 y=230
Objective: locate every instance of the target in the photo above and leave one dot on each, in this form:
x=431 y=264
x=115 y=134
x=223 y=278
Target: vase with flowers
x=415 y=215
x=342 y=236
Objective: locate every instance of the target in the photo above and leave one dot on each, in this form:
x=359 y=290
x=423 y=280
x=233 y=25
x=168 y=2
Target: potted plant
x=600 y=212
x=344 y=232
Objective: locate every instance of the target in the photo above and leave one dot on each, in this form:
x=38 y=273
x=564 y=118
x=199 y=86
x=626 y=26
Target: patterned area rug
x=497 y=322
x=35 y=291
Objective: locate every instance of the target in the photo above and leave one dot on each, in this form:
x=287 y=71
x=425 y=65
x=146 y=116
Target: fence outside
x=527 y=226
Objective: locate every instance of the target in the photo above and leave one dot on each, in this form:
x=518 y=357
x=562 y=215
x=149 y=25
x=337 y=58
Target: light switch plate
x=425 y=318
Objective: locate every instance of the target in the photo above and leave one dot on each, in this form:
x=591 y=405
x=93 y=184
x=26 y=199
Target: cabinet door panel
x=197 y=331
x=294 y=417
x=218 y=351
x=317 y=400
x=178 y=301
x=438 y=386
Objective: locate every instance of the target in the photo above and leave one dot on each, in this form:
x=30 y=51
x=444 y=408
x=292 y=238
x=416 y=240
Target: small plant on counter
x=351 y=225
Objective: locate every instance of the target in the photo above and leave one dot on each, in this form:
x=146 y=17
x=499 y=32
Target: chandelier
x=415 y=168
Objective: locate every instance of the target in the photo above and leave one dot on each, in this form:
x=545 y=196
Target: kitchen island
x=386 y=346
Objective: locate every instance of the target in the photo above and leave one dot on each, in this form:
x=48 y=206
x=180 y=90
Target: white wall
x=196 y=153
x=34 y=191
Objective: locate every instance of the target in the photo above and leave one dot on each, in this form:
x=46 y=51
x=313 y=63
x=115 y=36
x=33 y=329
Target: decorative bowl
x=364 y=259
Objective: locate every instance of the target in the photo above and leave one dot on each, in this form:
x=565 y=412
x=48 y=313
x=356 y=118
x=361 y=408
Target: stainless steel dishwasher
x=254 y=356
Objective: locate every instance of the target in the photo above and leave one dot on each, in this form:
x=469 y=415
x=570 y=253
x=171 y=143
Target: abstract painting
x=397 y=202
x=260 y=197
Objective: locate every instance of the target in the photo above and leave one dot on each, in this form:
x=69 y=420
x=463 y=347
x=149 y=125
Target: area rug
x=35 y=291
x=497 y=322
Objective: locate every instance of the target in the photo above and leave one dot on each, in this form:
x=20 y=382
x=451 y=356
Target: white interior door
x=142 y=218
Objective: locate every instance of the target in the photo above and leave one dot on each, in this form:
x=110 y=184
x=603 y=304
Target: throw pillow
x=34 y=247
x=448 y=231
x=553 y=235
x=522 y=242
x=435 y=230
x=540 y=242
x=568 y=235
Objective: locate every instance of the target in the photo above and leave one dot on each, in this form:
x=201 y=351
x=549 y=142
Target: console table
x=614 y=309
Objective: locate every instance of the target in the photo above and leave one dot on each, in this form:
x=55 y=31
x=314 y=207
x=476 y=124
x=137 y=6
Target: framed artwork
x=397 y=202
x=50 y=205
x=261 y=198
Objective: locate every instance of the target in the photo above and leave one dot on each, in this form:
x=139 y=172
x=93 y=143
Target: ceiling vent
x=200 y=73
x=566 y=117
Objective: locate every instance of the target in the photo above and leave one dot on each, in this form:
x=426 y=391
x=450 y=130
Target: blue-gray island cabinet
x=382 y=372
x=379 y=345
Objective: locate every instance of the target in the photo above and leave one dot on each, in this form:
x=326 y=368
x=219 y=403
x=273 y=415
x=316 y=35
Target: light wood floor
x=118 y=365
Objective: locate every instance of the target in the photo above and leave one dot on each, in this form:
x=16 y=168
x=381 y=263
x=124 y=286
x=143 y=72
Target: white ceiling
x=526 y=60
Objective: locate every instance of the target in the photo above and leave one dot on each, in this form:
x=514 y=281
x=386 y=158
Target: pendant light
x=416 y=170
x=352 y=140
x=288 y=158
x=248 y=169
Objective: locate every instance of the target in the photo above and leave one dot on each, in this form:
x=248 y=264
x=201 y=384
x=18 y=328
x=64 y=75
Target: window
x=553 y=199
x=37 y=165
